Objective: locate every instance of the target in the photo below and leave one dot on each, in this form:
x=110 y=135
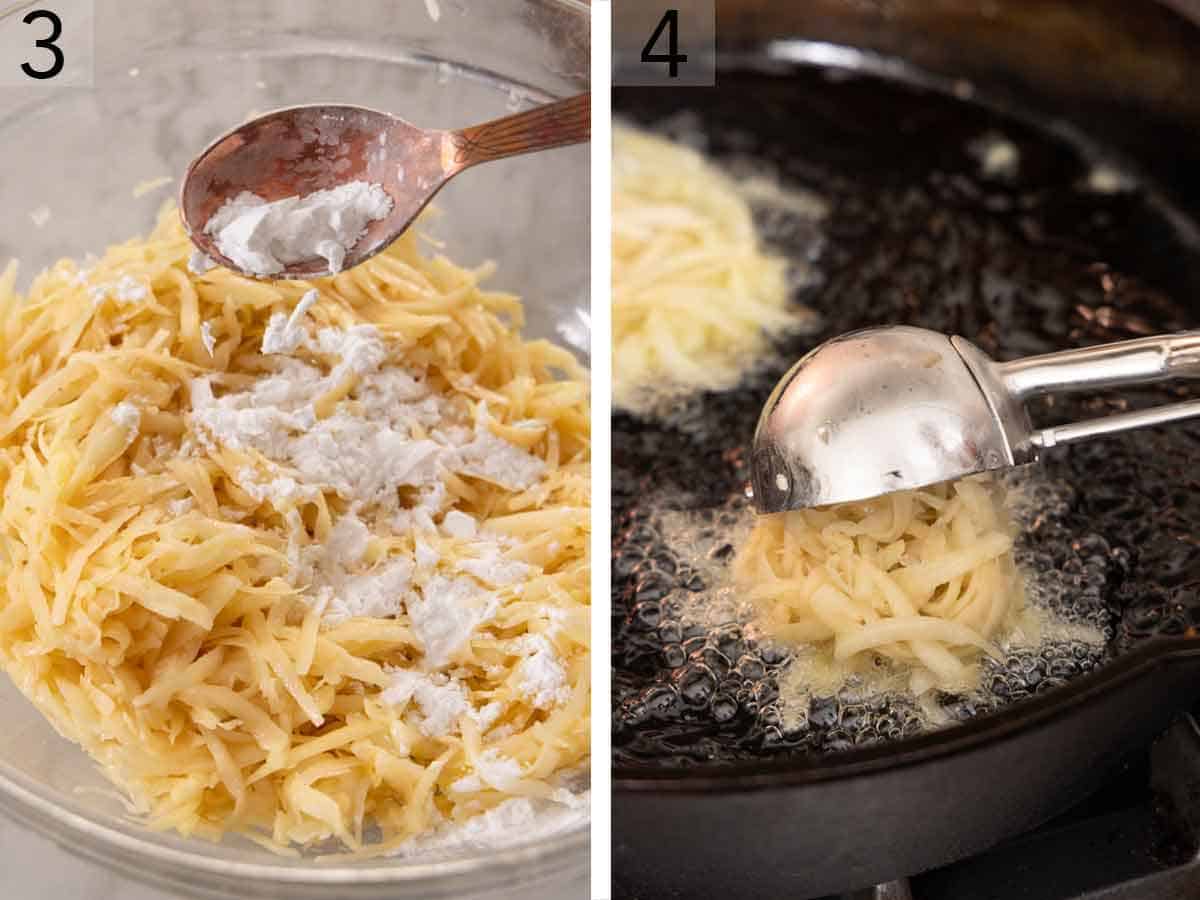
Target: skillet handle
x=1138 y=361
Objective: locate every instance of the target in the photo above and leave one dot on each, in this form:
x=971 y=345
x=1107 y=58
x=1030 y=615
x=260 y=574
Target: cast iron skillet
x=1116 y=72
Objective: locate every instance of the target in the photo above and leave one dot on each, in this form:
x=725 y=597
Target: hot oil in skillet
x=916 y=236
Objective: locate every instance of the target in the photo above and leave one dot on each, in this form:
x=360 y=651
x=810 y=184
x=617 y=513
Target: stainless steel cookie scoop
x=895 y=408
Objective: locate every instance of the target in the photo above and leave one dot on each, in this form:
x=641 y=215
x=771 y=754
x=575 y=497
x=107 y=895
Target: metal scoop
x=895 y=408
x=303 y=149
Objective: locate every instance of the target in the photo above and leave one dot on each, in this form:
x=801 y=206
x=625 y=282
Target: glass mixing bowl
x=170 y=76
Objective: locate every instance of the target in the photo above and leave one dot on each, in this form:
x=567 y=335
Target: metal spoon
x=894 y=408
x=303 y=149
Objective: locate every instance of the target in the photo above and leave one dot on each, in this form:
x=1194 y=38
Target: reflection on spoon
x=303 y=191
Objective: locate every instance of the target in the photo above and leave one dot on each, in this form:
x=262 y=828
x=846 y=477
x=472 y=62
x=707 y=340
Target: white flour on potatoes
x=386 y=450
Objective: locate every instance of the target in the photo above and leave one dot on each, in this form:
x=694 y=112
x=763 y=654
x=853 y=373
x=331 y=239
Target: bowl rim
x=135 y=844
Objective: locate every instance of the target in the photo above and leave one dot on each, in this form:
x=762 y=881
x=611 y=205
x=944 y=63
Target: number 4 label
x=670 y=24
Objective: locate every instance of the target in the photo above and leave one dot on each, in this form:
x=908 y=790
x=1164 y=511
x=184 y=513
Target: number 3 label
x=47 y=43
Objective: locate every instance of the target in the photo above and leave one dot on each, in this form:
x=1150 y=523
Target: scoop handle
x=1142 y=418
x=1138 y=361
x=551 y=125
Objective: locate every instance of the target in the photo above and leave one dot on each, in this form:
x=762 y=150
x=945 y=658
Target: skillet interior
x=914 y=236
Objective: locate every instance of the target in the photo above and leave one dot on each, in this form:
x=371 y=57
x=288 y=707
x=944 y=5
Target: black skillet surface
x=715 y=796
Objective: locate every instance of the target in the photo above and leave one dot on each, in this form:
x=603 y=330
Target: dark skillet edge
x=1141 y=662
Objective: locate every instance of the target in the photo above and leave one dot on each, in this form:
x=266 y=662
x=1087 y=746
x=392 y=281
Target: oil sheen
x=1033 y=255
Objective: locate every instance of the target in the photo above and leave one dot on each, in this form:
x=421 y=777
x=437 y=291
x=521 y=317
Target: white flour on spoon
x=264 y=238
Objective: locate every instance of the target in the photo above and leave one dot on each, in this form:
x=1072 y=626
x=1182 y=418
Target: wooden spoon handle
x=552 y=125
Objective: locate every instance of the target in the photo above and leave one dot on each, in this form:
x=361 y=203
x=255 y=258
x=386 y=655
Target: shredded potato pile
x=925 y=578
x=147 y=605
x=694 y=292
